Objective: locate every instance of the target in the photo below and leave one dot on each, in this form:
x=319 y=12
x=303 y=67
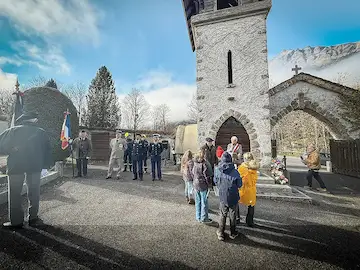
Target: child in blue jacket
x=228 y=181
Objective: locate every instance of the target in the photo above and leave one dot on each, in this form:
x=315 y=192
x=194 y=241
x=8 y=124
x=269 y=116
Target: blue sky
x=144 y=44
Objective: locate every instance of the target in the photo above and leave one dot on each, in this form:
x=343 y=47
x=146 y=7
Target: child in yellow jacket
x=248 y=172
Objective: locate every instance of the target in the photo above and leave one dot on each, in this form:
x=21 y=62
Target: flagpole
x=72 y=152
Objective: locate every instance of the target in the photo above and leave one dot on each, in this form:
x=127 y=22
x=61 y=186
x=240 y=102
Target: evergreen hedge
x=51 y=104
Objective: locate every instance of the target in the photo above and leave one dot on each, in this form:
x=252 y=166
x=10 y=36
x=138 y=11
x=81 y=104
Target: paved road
x=337 y=184
x=108 y=224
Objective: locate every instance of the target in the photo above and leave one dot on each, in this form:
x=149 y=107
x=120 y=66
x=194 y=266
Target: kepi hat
x=209 y=139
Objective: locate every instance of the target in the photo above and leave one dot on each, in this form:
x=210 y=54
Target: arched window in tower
x=230 y=72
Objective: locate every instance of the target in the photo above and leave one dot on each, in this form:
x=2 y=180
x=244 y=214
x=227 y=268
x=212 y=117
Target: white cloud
x=75 y=18
x=158 y=88
x=7 y=80
x=46 y=58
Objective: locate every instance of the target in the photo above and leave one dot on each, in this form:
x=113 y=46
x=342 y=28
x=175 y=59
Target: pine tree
x=102 y=101
x=51 y=83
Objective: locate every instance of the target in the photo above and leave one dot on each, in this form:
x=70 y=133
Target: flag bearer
x=82 y=148
x=117 y=146
x=128 y=152
x=138 y=150
x=155 y=150
x=29 y=151
x=146 y=145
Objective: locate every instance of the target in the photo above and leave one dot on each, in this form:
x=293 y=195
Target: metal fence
x=345 y=157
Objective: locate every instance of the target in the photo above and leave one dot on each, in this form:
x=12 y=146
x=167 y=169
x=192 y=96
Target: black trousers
x=249 y=215
x=81 y=164
x=224 y=211
x=316 y=175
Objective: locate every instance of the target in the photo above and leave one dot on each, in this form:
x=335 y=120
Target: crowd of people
x=231 y=172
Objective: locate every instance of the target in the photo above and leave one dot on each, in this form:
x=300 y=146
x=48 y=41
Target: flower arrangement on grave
x=277 y=172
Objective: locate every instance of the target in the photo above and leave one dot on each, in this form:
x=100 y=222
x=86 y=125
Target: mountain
x=329 y=63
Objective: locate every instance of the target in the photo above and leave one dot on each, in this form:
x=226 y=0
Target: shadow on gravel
x=332 y=245
x=75 y=248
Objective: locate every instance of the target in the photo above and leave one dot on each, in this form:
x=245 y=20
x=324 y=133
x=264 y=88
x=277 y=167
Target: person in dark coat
x=138 y=150
x=146 y=145
x=128 y=153
x=210 y=155
x=29 y=151
x=228 y=181
x=155 y=150
x=82 y=150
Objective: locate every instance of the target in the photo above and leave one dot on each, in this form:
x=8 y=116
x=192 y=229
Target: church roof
x=317 y=81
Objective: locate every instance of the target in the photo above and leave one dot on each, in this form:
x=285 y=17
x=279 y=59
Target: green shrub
x=51 y=104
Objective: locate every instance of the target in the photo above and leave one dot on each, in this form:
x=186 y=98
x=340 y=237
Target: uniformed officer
x=138 y=150
x=155 y=150
x=117 y=146
x=146 y=145
x=128 y=152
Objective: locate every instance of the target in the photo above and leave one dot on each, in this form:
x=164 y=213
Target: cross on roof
x=296 y=69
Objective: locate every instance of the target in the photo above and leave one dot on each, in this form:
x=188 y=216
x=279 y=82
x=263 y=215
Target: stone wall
x=318 y=97
x=246 y=99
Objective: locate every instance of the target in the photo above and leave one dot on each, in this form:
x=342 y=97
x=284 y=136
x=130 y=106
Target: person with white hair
x=235 y=150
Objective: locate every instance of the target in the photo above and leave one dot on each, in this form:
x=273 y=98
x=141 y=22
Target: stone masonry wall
x=319 y=102
x=247 y=99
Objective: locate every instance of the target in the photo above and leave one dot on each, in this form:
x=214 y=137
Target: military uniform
x=128 y=154
x=138 y=150
x=146 y=145
x=155 y=150
x=117 y=146
x=82 y=148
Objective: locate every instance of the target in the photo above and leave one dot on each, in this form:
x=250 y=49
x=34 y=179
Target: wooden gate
x=345 y=157
x=100 y=143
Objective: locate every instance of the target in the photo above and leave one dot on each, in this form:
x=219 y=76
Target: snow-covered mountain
x=325 y=62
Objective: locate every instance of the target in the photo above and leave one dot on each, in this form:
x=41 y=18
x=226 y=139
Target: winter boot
x=125 y=168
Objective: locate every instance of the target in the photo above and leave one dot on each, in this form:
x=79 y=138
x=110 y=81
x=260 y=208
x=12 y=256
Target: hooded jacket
x=228 y=181
x=201 y=175
x=249 y=175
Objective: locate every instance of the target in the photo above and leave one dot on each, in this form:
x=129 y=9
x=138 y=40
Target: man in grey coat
x=82 y=150
x=28 y=149
x=117 y=146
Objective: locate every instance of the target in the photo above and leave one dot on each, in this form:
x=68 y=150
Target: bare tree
x=37 y=81
x=77 y=94
x=193 y=111
x=135 y=110
x=161 y=117
x=6 y=102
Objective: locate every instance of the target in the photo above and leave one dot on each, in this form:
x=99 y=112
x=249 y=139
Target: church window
x=230 y=71
x=221 y=4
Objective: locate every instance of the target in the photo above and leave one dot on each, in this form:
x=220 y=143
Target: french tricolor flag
x=65 y=131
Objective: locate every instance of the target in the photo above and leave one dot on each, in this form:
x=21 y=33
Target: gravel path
x=95 y=223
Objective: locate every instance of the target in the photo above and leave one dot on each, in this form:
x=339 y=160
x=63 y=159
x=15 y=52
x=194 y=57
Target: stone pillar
x=59 y=167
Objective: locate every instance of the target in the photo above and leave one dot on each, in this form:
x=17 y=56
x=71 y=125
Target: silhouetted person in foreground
x=29 y=151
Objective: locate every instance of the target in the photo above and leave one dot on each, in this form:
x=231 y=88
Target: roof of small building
x=311 y=79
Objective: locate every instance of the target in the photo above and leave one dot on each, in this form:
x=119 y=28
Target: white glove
x=70 y=141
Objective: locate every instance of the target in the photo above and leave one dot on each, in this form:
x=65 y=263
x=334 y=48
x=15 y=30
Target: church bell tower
x=230 y=41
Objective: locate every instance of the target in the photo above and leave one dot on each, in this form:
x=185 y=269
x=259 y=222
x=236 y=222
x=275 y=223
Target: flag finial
x=17 y=85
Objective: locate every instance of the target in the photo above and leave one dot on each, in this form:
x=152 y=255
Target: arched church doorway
x=232 y=127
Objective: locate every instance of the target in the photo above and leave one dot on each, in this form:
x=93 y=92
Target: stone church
x=229 y=38
x=230 y=41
